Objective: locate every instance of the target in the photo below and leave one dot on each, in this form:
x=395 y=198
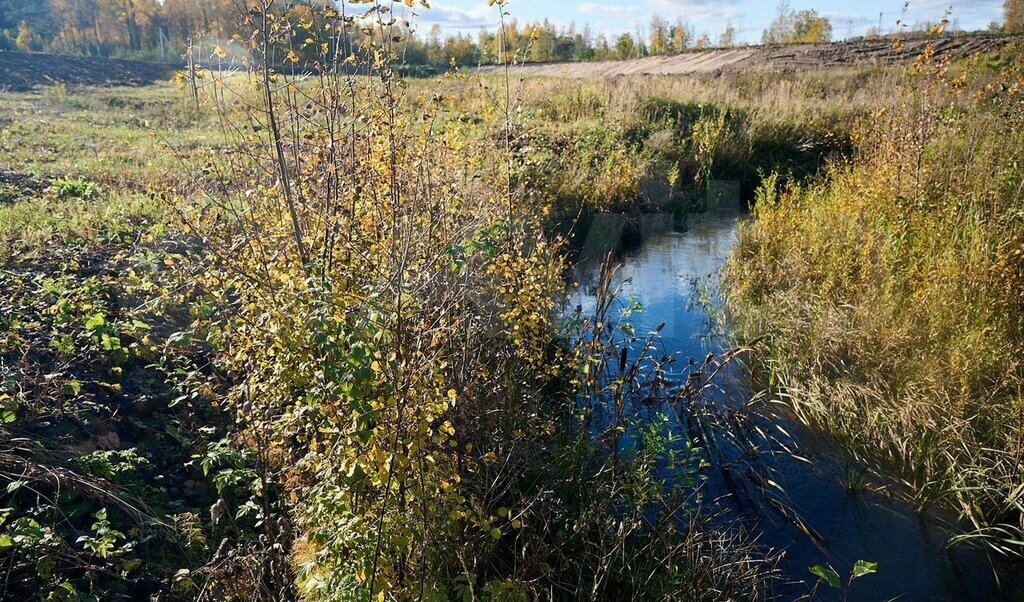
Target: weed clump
x=75 y=188
x=892 y=293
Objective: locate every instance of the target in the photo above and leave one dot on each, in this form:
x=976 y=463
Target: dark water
x=812 y=517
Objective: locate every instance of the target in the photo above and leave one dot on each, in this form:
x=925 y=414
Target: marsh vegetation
x=281 y=333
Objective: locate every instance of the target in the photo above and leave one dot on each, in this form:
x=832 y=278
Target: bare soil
x=22 y=181
x=801 y=57
x=15 y=186
x=24 y=72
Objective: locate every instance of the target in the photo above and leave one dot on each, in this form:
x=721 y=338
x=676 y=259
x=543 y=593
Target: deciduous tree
x=682 y=36
x=728 y=37
x=625 y=47
x=809 y=27
x=1013 y=16
x=660 y=36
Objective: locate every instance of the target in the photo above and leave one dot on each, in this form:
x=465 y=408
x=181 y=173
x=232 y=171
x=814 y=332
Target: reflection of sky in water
x=661 y=276
x=913 y=565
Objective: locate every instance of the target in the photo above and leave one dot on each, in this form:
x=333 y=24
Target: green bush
x=83 y=190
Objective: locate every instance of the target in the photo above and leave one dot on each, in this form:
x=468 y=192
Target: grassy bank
x=320 y=356
x=305 y=340
x=655 y=144
x=892 y=293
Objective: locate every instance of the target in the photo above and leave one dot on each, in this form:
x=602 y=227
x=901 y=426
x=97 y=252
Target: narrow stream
x=819 y=514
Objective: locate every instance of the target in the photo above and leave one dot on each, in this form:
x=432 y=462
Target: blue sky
x=710 y=16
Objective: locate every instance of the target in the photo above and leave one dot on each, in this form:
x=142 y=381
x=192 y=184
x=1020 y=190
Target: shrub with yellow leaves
x=385 y=309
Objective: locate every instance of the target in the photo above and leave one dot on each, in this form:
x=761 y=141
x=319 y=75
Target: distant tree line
x=148 y=28
x=155 y=29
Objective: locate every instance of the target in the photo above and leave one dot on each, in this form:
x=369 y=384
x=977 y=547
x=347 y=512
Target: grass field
x=306 y=341
x=202 y=403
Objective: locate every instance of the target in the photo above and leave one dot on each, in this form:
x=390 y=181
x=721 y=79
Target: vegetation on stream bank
x=304 y=340
x=892 y=293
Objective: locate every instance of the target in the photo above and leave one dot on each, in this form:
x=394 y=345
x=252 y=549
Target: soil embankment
x=22 y=72
x=859 y=53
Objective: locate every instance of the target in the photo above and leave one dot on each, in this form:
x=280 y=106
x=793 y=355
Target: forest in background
x=154 y=30
x=284 y=336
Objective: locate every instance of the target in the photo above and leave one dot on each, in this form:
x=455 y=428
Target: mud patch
x=15 y=185
x=24 y=72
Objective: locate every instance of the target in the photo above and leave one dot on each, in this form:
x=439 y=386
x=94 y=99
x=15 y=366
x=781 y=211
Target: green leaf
x=862 y=568
x=109 y=343
x=45 y=567
x=826 y=574
x=15 y=485
x=72 y=388
x=6 y=543
x=96 y=322
x=68 y=592
x=8 y=409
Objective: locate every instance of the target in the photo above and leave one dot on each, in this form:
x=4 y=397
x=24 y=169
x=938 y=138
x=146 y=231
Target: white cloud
x=605 y=10
x=448 y=17
x=697 y=10
x=972 y=11
x=749 y=16
x=692 y=10
x=711 y=15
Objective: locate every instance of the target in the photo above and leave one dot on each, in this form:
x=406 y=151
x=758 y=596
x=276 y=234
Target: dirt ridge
x=24 y=72
x=859 y=53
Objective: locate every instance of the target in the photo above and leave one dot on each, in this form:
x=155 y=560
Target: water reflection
x=813 y=516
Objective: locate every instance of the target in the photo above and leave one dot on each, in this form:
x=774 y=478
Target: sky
x=750 y=17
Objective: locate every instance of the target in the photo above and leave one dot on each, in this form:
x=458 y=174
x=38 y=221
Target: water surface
x=813 y=517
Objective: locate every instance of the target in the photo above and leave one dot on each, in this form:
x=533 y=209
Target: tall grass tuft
x=893 y=293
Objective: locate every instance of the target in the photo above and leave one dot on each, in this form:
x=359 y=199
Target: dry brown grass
x=891 y=292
